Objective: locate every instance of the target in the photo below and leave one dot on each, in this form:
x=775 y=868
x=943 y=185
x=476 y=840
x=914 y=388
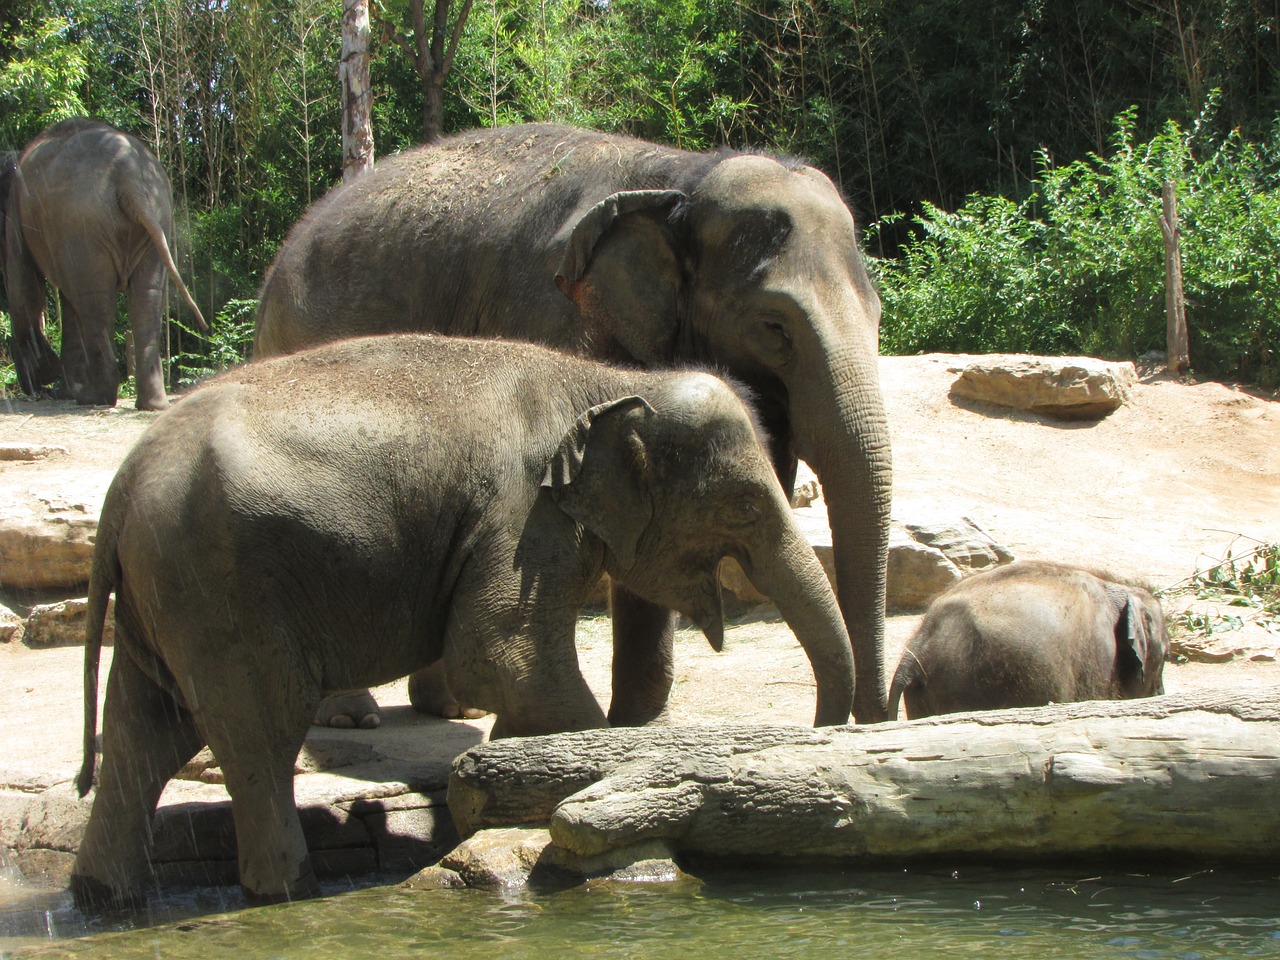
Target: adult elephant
x=89 y=209
x=629 y=252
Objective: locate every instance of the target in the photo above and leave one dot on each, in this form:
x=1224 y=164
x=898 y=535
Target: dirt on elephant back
x=1169 y=484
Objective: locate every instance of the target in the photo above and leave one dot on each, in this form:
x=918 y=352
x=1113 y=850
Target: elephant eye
x=744 y=512
x=778 y=330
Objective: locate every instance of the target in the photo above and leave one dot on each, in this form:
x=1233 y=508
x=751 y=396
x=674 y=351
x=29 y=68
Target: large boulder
x=1066 y=387
x=47 y=533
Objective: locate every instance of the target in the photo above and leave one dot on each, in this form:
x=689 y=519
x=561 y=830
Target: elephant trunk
x=844 y=436
x=792 y=577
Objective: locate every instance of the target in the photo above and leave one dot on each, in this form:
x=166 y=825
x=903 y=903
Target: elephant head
x=1142 y=641
x=757 y=270
x=674 y=483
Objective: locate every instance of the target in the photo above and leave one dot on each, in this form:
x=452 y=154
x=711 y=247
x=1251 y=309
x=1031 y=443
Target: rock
x=11 y=625
x=63 y=623
x=1067 y=387
x=46 y=539
x=514 y=856
x=30 y=451
x=927 y=558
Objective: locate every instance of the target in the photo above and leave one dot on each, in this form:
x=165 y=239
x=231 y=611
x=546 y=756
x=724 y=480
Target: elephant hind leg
x=256 y=728
x=88 y=349
x=146 y=739
x=147 y=288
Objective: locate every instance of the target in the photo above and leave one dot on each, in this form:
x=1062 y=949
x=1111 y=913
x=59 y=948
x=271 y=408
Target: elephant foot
x=304 y=888
x=429 y=694
x=348 y=711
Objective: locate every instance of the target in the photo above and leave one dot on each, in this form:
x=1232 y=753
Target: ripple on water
x=988 y=914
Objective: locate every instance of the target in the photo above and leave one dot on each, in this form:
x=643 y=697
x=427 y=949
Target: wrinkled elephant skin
x=351 y=514
x=88 y=209
x=1030 y=634
x=627 y=251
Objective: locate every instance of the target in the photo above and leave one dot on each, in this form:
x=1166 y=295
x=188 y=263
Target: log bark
x=1191 y=775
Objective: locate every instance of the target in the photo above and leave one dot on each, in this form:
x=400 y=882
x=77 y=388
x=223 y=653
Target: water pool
x=989 y=913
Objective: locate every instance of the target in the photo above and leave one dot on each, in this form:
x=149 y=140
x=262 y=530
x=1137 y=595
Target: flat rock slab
x=1080 y=388
x=1194 y=776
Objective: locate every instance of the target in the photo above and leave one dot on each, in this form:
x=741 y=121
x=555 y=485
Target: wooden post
x=1178 y=354
x=357 y=94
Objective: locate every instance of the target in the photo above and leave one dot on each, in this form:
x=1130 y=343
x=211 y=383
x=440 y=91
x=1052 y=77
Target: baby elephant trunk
x=792 y=577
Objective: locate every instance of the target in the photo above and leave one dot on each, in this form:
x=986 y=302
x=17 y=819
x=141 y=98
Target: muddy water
x=969 y=913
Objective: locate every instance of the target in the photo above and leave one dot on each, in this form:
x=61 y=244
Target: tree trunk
x=1178 y=354
x=357 y=94
x=1192 y=776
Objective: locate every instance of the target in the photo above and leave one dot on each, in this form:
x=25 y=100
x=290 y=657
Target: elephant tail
x=904 y=678
x=101 y=582
x=162 y=246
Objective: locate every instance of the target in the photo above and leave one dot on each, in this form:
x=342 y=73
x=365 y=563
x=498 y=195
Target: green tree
x=43 y=81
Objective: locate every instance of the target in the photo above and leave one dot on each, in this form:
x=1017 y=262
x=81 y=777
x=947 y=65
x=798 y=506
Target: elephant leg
x=88 y=351
x=34 y=357
x=521 y=664
x=256 y=736
x=430 y=694
x=643 y=658
x=146 y=320
x=146 y=739
x=348 y=710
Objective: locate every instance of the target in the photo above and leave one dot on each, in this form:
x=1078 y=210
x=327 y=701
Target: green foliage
x=8 y=373
x=227 y=344
x=1249 y=580
x=43 y=81
x=657 y=70
x=1078 y=266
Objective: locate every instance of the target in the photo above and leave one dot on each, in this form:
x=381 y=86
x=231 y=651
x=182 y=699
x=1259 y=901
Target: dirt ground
x=1163 y=487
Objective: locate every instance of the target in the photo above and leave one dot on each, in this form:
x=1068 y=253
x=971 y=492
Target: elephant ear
x=621 y=270
x=1133 y=642
x=597 y=475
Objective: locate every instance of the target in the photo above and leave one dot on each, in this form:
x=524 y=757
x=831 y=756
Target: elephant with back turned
x=350 y=514
x=89 y=209
x=640 y=254
x=1030 y=634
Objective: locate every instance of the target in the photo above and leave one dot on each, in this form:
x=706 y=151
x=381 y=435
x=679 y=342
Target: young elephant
x=1028 y=634
x=344 y=516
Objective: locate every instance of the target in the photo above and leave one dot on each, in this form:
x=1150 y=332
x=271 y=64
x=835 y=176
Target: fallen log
x=1192 y=775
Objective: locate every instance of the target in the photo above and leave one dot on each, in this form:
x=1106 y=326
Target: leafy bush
x=227 y=344
x=1078 y=266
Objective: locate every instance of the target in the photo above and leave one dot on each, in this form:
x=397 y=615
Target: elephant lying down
x=1030 y=634
x=344 y=516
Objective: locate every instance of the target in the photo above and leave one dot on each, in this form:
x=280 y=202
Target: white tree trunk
x=357 y=94
x=1195 y=775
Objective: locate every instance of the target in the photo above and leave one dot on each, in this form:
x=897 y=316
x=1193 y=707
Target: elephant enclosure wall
x=1192 y=776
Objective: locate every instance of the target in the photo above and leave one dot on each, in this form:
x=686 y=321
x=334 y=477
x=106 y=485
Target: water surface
x=995 y=914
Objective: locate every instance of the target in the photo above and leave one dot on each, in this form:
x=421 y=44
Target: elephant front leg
x=146 y=738
x=643 y=658
x=430 y=694
x=523 y=670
